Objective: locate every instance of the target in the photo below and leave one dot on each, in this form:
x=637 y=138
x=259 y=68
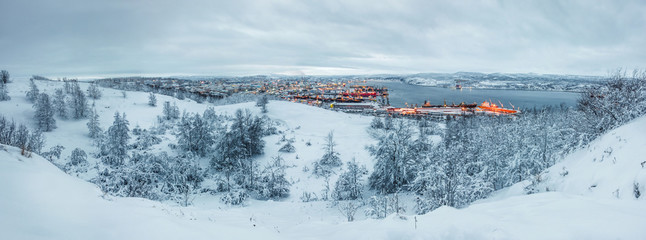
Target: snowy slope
x=612 y=166
x=41 y=202
x=301 y=122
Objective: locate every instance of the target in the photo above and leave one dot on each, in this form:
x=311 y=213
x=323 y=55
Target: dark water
x=402 y=93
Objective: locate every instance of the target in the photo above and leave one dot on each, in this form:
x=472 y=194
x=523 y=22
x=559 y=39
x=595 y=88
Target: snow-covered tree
x=145 y=140
x=349 y=209
x=152 y=100
x=273 y=183
x=179 y=94
x=249 y=130
x=449 y=180
x=32 y=94
x=195 y=135
x=45 y=113
x=21 y=137
x=116 y=144
x=93 y=125
x=262 y=103
x=59 y=103
x=4 y=93
x=376 y=123
x=235 y=197
x=155 y=177
x=617 y=101
x=330 y=158
x=36 y=141
x=54 y=152
x=7 y=129
x=393 y=168
x=454 y=172
x=67 y=86
x=170 y=112
x=78 y=102
x=183 y=179
x=349 y=185
x=287 y=148
x=78 y=157
x=230 y=156
x=142 y=177
x=210 y=115
x=388 y=122
x=93 y=91
x=77 y=162
x=382 y=206
x=236 y=149
x=496 y=157
x=4 y=76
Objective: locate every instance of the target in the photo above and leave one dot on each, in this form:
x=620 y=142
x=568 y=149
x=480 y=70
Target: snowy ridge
x=516 y=81
x=612 y=166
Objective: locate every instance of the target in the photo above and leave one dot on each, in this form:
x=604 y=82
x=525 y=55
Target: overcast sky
x=240 y=37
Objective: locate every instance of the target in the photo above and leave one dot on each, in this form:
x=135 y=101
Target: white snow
x=41 y=202
x=38 y=201
x=610 y=167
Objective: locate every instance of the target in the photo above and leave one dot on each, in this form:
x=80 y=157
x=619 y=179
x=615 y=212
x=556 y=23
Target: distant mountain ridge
x=510 y=81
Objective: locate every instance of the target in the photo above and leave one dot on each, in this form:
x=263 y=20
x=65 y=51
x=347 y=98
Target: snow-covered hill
x=612 y=166
x=39 y=201
x=306 y=125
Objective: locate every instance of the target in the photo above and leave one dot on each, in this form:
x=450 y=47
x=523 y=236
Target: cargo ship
x=461 y=105
x=453 y=109
x=493 y=108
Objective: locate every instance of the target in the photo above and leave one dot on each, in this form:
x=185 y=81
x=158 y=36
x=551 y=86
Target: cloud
x=74 y=37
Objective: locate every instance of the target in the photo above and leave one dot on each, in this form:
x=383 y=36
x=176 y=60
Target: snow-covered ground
x=613 y=166
x=39 y=201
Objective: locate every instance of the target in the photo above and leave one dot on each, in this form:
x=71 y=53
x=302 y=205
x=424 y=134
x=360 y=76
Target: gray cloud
x=77 y=37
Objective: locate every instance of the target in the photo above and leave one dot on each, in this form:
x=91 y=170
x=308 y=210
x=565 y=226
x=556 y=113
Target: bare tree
x=348 y=209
